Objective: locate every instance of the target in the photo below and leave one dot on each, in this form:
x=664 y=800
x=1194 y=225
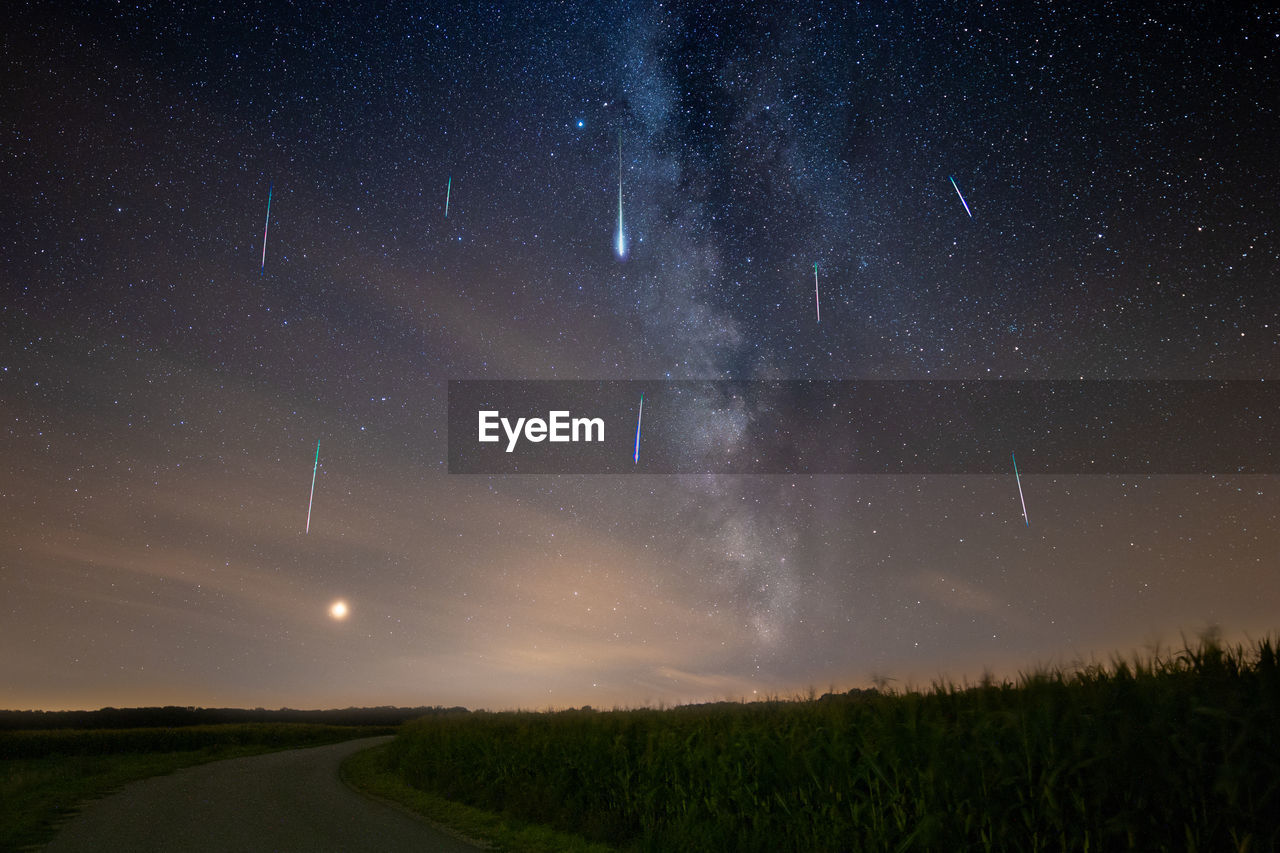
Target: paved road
x=282 y=801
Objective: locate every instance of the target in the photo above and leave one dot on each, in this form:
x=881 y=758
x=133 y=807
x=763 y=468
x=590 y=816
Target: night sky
x=162 y=390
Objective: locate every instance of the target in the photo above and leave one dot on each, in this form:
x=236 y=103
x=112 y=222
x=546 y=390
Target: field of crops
x=1179 y=752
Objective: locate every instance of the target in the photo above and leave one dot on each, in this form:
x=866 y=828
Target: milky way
x=160 y=397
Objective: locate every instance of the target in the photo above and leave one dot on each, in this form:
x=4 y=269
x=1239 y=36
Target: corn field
x=1172 y=753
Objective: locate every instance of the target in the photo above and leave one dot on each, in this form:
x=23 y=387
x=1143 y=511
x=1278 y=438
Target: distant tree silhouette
x=173 y=716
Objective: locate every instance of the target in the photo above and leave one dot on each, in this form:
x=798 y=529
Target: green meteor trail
x=817 y=301
x=313 y=485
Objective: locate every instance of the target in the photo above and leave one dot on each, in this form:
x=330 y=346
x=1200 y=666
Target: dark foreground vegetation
x=176 y=715
x=1179 y=752
x=45 y=774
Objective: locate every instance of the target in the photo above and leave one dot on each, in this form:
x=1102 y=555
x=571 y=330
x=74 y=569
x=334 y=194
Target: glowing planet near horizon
x=338 y=610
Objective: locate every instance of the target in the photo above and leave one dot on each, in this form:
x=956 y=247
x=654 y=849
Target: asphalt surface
x=282 y=801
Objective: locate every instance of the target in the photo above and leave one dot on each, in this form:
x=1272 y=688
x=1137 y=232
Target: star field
x=162 y=390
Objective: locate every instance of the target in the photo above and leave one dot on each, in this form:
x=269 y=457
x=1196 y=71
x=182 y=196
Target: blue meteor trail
x=962 y=201
x=1020 y=497
x=265 y=228
x=636 y=459
x=313 y=485
x=447 y=190
x=622 y=237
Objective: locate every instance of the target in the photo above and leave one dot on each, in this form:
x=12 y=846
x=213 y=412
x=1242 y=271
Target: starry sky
x=162 y=389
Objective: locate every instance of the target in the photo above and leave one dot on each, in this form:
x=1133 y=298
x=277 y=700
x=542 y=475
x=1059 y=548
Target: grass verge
x=369 y=773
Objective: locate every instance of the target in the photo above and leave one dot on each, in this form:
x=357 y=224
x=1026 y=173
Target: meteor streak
x=1020 y=497
x=265 y=228
x=636 y=459
x=962 y=201
x=622 y=237
x=447 y=190
x=313 y=485
x=817 y=303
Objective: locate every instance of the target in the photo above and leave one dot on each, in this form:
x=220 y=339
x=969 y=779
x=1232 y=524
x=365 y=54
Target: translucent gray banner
x=863 y=427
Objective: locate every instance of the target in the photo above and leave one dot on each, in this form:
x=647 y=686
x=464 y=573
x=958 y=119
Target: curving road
x=282 y=801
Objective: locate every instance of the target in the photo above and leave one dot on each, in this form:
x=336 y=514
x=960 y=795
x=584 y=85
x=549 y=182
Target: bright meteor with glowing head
x=622 y=237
